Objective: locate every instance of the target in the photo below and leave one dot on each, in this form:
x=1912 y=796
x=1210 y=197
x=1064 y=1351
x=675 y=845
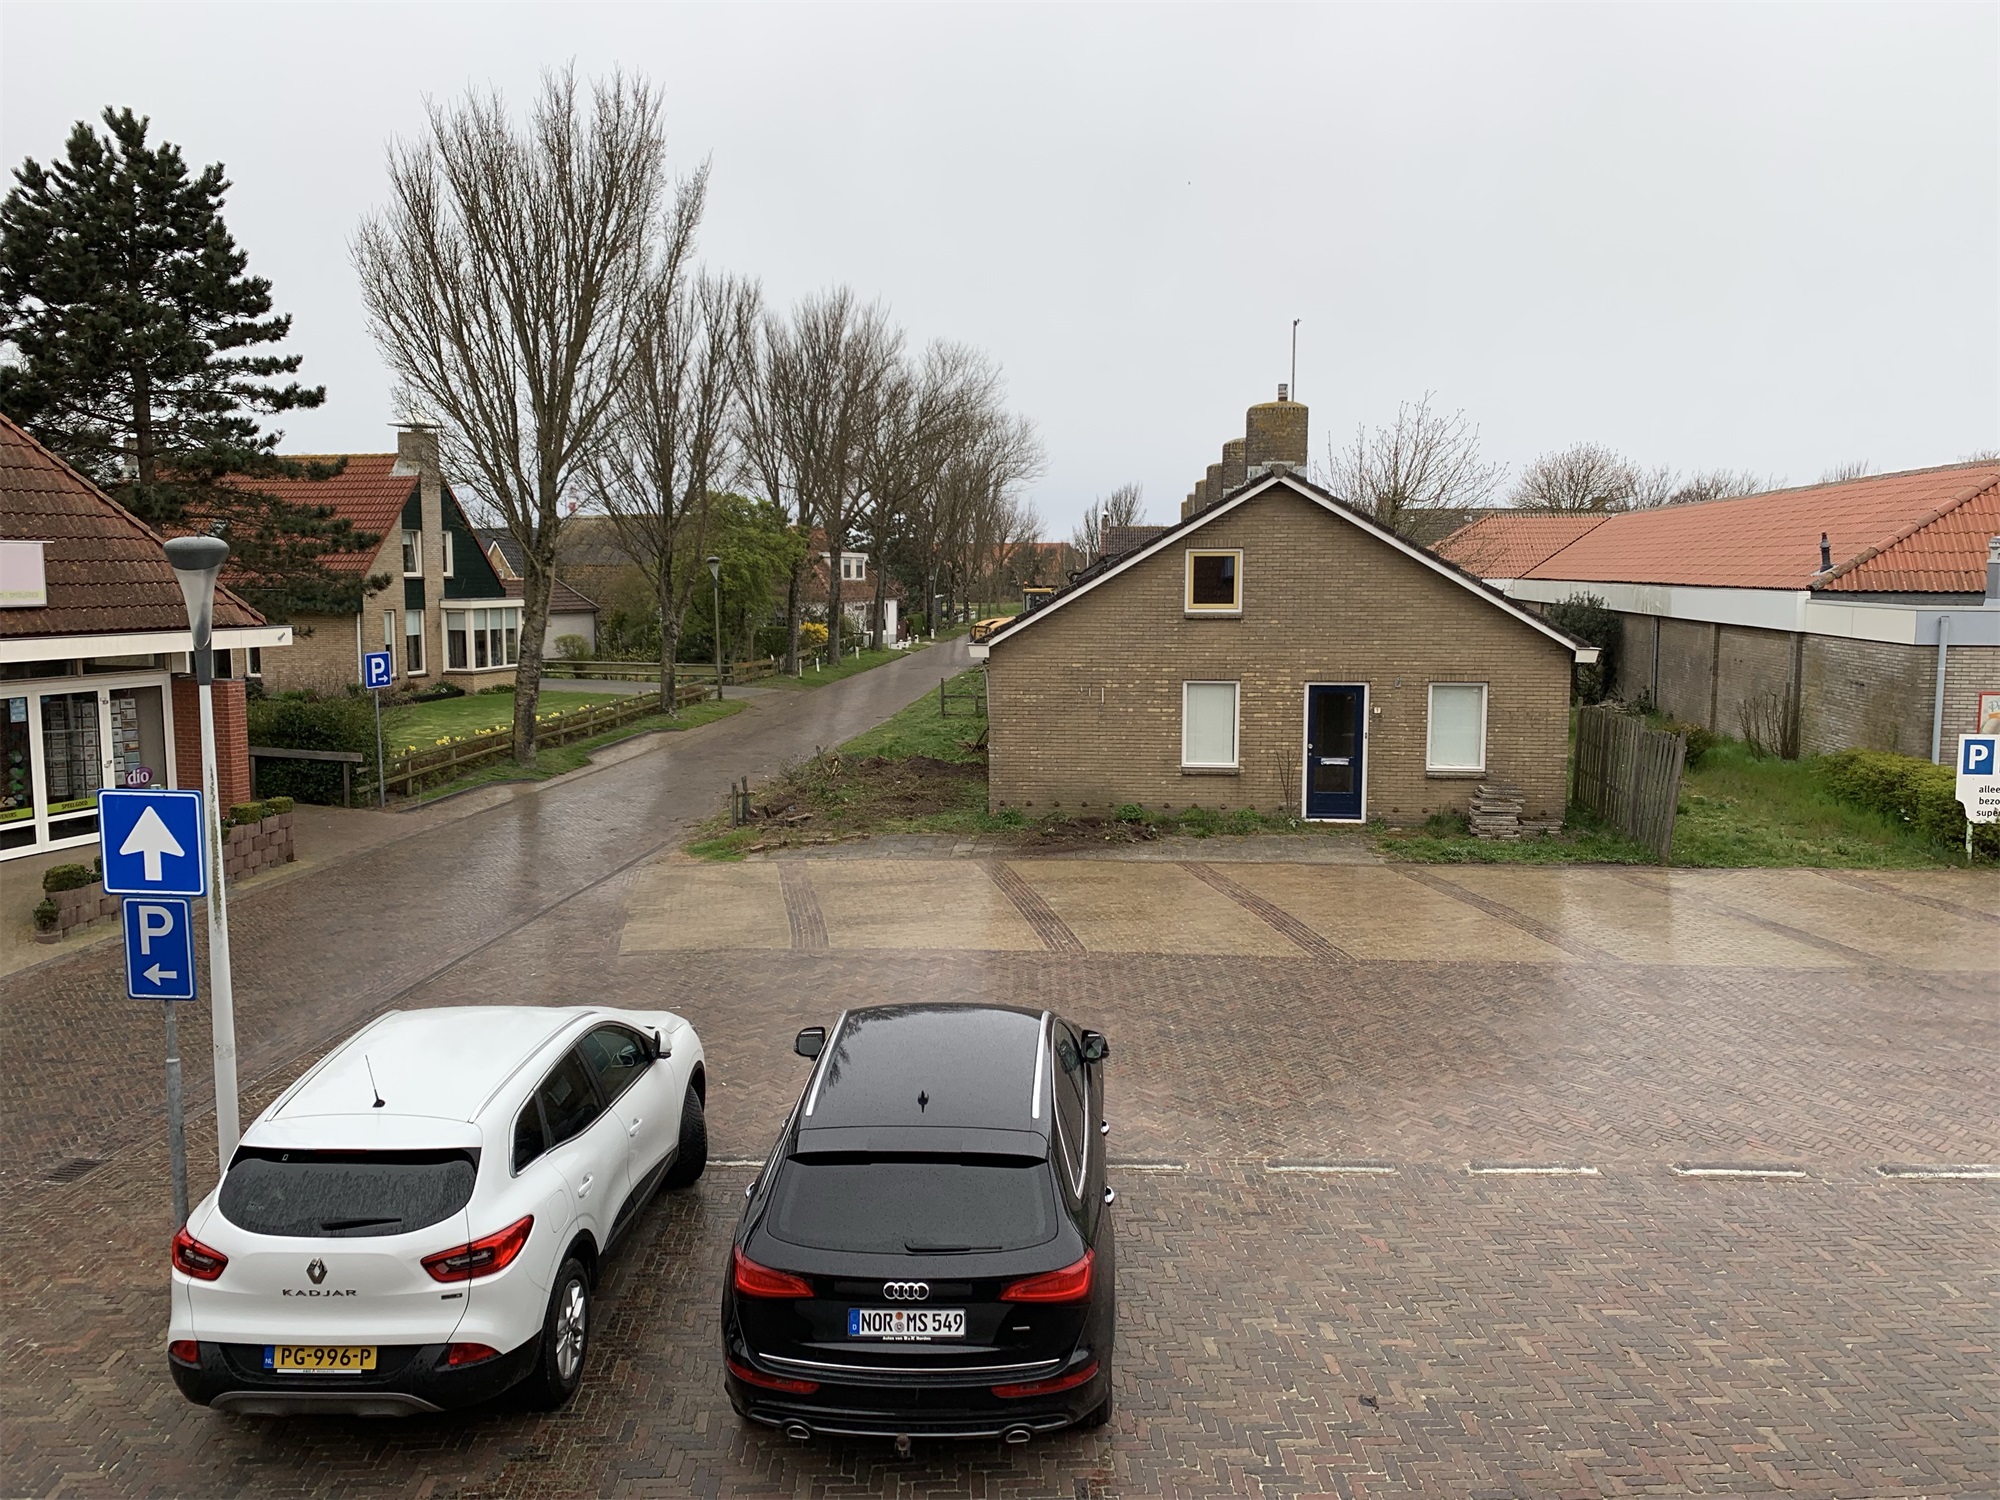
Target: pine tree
x=136 y=357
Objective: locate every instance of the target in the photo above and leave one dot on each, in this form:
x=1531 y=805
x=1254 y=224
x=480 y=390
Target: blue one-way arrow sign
x=159 y=948
x=152 y=843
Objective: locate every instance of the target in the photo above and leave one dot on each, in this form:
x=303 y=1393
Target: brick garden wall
x=1085 y=705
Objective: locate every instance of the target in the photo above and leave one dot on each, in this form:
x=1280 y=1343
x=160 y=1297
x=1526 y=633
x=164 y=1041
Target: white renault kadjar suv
x=416 y=1223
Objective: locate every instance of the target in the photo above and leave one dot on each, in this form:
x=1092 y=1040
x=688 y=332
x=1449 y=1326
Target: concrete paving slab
x=1634 y=922
x=1379 y=914
x=1881 y=925
x=918 y=903
x=681 y=905
x=1148 y=908
x=1978 y=889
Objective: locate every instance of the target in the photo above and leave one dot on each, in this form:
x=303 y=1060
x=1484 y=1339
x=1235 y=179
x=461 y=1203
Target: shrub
x=1130 y=812
x=1589 y=618
x=437 y=692
x=1699 y=740
x=308 y=721
x=67 y=878
x=812 y=636
x=1916 y=792
x=498 y=687
x=47 y=914
x=257 y=812
x=572 y=647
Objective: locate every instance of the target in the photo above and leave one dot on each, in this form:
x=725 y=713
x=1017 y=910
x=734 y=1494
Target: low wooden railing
x=649 y=671
x=414 y=768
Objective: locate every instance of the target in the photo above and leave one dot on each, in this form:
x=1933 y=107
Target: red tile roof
x=563 y=600
x=105 y=568
x=1507 y=546
x=367 y=492
x=1923 y=531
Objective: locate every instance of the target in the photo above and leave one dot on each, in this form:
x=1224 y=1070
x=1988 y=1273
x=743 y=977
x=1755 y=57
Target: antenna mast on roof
x=1294 y=388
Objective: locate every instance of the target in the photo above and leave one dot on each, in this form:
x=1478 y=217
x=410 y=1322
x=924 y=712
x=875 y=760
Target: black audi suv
x=928 y=1250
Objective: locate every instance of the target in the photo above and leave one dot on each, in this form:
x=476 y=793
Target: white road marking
x=1530 y=1169
x=1734 y=1169
x=1334 y=1168
x=1959 y=1172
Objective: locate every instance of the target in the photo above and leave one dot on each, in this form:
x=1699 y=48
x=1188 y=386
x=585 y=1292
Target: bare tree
x=674 y=437
x=506 y=284
x=1720 y=484
x=1124 y=506
x=1854 y=468
x=1582 y=477
x=1426 y=461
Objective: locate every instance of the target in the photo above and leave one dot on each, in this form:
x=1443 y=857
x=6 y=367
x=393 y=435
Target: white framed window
x=1457 y=737
x=450 y=560
x=455 y=651
x=1209 y=724
x=1215 y=581
x=413 y=553
x=478 y=640
x=853 y=569
x=413 y=642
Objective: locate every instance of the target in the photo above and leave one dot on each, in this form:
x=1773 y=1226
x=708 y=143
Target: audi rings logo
x=906 y=1291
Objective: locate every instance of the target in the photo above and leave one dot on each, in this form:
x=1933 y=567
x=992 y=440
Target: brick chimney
x=1274 y=432
x=417 y=450
x=1216 y=488
x=1234 y=467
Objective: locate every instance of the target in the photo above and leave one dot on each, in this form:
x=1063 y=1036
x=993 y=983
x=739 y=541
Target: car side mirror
x=660 y=1048
x=1095 y=1048
x=810 y=1042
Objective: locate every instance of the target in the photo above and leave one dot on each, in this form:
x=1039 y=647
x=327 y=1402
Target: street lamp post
x=715 y=573
x=197 y=560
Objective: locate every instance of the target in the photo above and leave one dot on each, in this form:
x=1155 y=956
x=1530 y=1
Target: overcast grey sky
x=1755 y=236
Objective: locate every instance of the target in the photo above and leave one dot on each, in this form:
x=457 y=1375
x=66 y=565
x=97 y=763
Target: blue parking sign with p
x=159 y=948
x=1976 y=754
x=378 y=669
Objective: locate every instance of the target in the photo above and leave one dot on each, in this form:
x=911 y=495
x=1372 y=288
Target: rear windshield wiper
x=919 y=1247
x=332 y=1224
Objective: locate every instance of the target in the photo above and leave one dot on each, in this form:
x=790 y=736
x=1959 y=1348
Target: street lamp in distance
x=715 y=573
x=197 y=562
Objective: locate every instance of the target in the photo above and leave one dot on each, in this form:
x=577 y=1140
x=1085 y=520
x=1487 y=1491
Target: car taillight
x=753 y=1280
x=1070 y=1284
x=468 y=1354
x=482 y=1257
x=184 y=1352
x=771 y=1382
x=193 y=1258
x=1067 y=1382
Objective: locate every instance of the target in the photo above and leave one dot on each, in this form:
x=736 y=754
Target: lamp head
x=197 y=562
x=715 y=567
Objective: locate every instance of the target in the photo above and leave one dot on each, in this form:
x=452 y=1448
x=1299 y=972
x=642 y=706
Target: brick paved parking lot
x=1348 y=1262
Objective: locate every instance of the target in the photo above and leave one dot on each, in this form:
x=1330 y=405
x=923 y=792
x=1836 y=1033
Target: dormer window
x=853 y=569
x=1215 y=581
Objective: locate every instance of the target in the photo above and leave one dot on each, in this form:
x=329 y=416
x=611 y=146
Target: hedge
x=305 y=721
x=67 y=878
x=1916 y=792
x=257 y=812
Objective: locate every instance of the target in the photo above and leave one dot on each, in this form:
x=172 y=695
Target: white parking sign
x=1979 y=777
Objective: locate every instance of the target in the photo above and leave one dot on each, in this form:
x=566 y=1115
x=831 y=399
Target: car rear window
x=343 y=1194
x=914 y=1205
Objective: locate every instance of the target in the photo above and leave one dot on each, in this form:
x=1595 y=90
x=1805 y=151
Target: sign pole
x=381 y=783
x=221 y=985
x=176 y=1128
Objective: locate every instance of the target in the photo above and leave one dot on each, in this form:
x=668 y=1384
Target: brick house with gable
x=1278 y=650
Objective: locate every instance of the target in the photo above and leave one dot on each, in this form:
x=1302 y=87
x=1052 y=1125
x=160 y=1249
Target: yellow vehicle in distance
x=981 y=629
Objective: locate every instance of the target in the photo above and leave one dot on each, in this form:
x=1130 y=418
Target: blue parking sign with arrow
x=152 y=843
x=159 y=948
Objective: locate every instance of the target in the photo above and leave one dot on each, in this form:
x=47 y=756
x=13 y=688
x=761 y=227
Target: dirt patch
x=833 y=797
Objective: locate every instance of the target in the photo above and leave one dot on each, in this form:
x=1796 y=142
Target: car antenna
x=379 y=1101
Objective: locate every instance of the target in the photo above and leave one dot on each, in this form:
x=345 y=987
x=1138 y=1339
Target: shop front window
x=17 y=776
x=73 y=754
x=138 y=730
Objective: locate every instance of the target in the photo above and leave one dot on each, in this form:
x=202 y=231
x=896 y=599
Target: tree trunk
x=835 y=549
x=670 y=636
x=142 y=426
x=881 y=594
x=791 y=622
x=528 y=667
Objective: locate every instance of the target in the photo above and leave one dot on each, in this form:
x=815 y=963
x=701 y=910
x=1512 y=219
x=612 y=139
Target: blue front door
x=1336 y=742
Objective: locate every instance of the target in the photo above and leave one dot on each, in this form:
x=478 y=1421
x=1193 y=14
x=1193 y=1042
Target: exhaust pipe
x=798 y=1431
x=1016 y=1435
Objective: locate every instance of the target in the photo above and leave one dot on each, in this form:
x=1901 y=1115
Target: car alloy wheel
x=572 y=1319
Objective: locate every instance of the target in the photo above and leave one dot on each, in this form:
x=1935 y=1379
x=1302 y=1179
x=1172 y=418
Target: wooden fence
x=412 y=770
x=649 y=671
x=972 y=695
x=1629 y=775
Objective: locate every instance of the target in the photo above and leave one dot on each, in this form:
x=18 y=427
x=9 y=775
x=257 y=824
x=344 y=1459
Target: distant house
x=438 y=607
x=1278 y=650
x=1865 y=612
x=857 y=593
x=95 y=689
x=570 y=613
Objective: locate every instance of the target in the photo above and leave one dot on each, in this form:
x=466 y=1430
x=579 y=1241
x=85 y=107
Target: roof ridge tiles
x=1870 y=553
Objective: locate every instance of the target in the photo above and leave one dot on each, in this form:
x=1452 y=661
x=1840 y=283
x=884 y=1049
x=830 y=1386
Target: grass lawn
x=1447 y=840
x=1736 y=810
x=850 y=663
x=560 y=759
x=421 y=725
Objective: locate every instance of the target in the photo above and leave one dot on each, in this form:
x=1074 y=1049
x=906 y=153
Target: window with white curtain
x=1457 y=727
x=413 y=554
x=413 y=642
x=1208 y=724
